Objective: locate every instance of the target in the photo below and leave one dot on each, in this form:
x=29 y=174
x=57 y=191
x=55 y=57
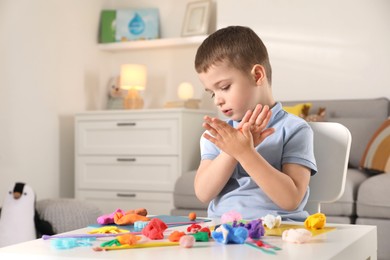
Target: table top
x=344 y=242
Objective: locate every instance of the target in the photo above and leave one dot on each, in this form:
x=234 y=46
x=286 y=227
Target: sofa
x=67 y=214
x=366 y=198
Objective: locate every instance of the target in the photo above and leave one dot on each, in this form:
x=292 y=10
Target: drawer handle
x=126 y=124
x=126 y=159
x=126 y=195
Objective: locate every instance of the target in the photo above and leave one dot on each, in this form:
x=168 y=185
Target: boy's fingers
x=262 y=115
x=209 y=137
x=255 y=114
x=245 y=119
x=264 y=118
x=246 y=129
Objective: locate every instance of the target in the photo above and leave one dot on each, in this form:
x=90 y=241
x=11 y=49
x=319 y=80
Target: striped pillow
x=376 y=158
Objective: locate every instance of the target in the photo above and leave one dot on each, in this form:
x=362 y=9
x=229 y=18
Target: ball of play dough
x=299 y=235
x=315 y=221
x=187 y=241
x=192 y=216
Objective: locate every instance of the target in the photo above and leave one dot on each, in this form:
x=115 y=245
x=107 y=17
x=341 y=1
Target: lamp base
x=133 y=100
x=190 y=103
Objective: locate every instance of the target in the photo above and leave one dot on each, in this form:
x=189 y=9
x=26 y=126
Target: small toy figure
x=19 y=221
x=319 y=117
x=115 y=94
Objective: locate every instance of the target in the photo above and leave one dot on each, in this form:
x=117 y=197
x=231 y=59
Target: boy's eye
x=212 y=95
x=225 y=87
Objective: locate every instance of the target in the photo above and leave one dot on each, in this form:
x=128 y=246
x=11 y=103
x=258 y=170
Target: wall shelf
x=149 y=44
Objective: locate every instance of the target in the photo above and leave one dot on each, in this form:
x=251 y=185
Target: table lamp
x=133 y=79
x=185 y=92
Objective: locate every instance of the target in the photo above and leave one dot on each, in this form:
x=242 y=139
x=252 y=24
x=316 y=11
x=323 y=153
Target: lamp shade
x=185 y=91
x=133 y=76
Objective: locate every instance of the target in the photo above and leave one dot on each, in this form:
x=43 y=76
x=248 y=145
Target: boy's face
x=233 y=91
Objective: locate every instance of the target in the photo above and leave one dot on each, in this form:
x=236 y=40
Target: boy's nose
x=218 y=101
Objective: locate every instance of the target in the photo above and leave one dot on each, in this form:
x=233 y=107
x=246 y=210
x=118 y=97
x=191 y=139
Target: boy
x=260 y=161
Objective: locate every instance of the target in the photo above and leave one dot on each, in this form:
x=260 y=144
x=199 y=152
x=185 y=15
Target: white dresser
x=131 y=159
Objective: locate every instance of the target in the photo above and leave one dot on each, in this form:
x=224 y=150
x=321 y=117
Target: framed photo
x=196 y=19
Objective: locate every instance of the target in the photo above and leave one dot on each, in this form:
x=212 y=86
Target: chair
x=332 y=143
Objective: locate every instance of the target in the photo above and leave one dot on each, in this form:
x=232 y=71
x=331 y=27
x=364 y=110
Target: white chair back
x=332 y=143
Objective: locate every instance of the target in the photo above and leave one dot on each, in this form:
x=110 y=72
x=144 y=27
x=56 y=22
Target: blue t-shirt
x=292 y=142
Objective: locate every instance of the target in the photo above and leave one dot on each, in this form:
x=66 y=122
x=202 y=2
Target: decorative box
x=107 y=26
x=137 y=24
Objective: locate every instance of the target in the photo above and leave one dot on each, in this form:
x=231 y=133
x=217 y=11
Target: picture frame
x=196 y=19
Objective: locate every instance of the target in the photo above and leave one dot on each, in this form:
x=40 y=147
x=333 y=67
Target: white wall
x=51 y=68
x=320 y=49
x=48 y=71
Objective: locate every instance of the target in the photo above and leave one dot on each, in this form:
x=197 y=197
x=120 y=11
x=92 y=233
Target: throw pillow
x=376 y=158
x=361 y=128
x=297 y=109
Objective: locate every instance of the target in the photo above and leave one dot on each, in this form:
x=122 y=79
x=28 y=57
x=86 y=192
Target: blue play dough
x=226 y=234
x=68 y=243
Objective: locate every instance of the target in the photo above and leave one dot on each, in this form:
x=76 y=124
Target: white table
x=345 y=242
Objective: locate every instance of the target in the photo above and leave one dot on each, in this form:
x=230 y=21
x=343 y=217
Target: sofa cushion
x=184 y=193
x=345 y=205
x=373 y=200
x=376 y=157
x=361 y=131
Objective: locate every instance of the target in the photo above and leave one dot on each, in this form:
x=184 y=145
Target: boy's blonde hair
x=238 y=45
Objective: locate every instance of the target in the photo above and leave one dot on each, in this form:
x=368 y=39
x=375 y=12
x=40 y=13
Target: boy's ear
x=258 y=73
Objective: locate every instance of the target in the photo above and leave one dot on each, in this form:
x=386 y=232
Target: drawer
x=138 y=136
x=127 y=173
x=108 y=201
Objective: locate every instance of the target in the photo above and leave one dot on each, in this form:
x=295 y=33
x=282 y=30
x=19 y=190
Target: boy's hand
x=227 y=138
x=258 y=120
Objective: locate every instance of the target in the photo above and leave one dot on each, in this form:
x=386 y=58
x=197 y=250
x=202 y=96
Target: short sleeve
x=299 y=149
x=208 y=151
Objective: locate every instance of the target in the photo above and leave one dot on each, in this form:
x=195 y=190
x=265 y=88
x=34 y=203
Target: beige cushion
x=373 y=199
x=345 y=206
